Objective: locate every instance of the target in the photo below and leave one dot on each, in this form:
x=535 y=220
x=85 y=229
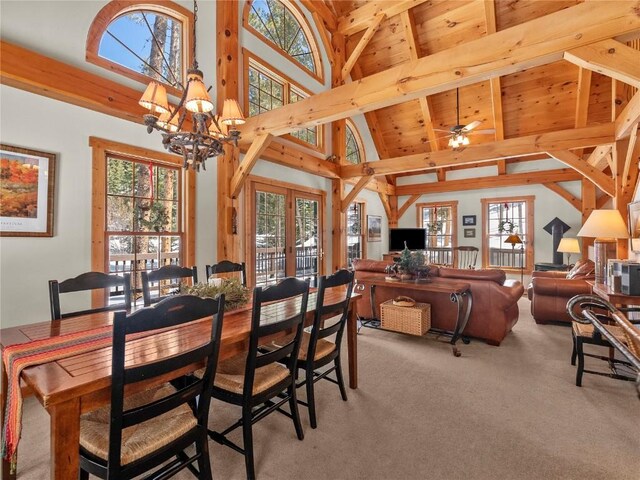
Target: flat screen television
x=415 y=238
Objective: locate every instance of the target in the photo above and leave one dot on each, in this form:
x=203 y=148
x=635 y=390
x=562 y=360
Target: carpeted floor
x=509 y=412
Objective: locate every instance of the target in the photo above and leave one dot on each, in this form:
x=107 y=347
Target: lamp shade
x=513 y=239
x=569 y=245
x=231 y=113
x=154 y=99
x=198 y=100
x=604 y=224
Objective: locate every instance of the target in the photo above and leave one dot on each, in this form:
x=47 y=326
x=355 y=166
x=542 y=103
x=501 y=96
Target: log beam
x=254 y=153
x=357 y=188
x=598 y=157
x=405 y=206
x=608 y=57
x=364 y=41
x=566 y=194
x=512 y=147
x=358 y=19
x=509 y=180
x=627 y=121
x=319 y=8
x=534 y=43
x=597 y=177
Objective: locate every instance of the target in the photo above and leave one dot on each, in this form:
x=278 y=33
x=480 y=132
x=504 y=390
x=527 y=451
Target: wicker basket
x=414 y=320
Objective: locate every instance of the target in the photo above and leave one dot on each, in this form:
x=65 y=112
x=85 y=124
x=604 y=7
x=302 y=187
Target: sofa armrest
x=559 y=287
x=549 y=274
x=505 y=296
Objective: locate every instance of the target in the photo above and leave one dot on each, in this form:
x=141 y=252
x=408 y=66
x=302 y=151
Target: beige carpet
x=508 y=412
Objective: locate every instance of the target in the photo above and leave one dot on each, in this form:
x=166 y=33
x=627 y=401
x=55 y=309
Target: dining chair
x=113 y=285
x=466 y=256
x=170 y=273
x=225 y=266
x=257 y=381
x=150 y=429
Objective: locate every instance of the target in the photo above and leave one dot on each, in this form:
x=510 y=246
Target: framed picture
x=469 y=233
x=374 y=228
x=633 y=211
x=468 y=220
x=27 y=185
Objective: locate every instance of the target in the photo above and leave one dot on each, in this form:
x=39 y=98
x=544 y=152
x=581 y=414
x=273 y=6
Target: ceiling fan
x=458 y=133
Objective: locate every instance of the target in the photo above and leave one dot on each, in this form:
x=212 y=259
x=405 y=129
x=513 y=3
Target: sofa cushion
x=369 y=265
x=582 y=269
x=494 y=275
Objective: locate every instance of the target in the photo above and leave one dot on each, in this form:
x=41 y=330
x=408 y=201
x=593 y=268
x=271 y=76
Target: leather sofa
x=550 y=291
x=495 y=300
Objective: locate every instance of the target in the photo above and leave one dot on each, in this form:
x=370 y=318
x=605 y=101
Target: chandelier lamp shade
x=208 y=130
x=606 y=226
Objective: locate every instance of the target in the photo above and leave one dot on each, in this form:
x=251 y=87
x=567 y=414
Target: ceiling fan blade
x=472 y=125
x=441 y=130
x=486 y=131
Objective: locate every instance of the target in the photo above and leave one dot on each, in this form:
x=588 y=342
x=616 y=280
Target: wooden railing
x=270 y=263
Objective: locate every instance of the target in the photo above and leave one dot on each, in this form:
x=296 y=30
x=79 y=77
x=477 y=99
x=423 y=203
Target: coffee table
x=458 y=292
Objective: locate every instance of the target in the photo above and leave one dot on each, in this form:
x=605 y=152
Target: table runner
x=20 y=356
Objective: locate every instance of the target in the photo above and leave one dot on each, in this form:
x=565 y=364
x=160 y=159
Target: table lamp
x=569 y=245
x=514 y=239
x=605 y=226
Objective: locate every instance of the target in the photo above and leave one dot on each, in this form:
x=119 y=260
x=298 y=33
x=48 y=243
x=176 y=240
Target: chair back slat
x=225 y=266
x=167 y=272
x=85 y=282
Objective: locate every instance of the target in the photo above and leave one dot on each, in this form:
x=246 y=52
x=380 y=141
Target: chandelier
x=208 y=131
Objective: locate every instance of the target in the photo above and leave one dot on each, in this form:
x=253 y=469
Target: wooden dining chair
x=152 y=428
x=255 y=380
x=225 y=266
x=316 y=349
x=164 y=279
x=113 y=285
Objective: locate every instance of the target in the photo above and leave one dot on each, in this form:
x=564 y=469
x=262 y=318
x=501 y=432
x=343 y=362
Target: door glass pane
x=307 y=239
x=270 y=238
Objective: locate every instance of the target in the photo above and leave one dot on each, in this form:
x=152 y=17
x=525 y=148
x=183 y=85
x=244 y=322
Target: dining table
x=74 y=385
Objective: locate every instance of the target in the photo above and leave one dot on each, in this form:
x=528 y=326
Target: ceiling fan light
x=154 y=99
x=454 y=143
x=465 y=140
x=198 y=100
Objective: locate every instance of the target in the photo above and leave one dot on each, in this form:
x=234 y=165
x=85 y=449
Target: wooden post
x=588 y=206
x=227 y=87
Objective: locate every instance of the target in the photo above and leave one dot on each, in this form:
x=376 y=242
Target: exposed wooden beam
x=601 y=180
x=630 y=172
x=364 y=41
x=358 y=19
x=588 y=199
x=254 y=153
x=598 y=157
x=441 y=174
x=284 y=154
x=582 y=100
x=523 y=46
x=510 y=180
x=405 y=206
x=628 y=120
x=564 y=193
x=512 y=147
x=608 y=57
x=357 y=188
x=319 y=8
x=386 y=204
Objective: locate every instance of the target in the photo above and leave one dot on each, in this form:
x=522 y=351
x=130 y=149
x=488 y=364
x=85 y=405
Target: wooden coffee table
x=458 y=292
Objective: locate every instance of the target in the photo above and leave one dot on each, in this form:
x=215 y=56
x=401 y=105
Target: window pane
x=119 y=214
x=119 y=177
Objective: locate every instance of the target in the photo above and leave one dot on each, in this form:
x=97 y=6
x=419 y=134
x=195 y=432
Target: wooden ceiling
x=537 y=100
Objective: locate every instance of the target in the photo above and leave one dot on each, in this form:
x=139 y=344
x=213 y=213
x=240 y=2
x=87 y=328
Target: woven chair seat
x=138 y=440
x=230 y=375
x=323 y=347
x=586 y=330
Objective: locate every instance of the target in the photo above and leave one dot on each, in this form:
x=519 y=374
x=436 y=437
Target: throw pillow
x=582 y=269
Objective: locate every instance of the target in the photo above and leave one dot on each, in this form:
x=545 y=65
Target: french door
x=285 y=234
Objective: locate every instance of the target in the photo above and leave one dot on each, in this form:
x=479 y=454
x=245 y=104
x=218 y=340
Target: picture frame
x=27 y=190
x=374 y=228
x=633 y=220
x=469 y=233
x=468 y=220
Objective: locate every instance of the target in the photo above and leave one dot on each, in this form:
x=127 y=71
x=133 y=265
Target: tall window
x=355 y=151
x=282 y=26
x=140 y=211
x=503 y=217
x=268 y=89
x=141 y=43
x=439 y=219
x=355 y=232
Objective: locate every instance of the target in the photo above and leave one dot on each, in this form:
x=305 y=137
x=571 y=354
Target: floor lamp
x=514 y=239
x=606 y=226
x=569 y=245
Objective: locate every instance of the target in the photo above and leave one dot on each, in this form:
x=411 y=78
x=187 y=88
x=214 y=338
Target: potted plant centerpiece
x=411 y=264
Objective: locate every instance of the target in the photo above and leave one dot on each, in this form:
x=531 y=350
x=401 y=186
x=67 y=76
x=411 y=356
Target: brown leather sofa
x=550 y=291
x=495 y=299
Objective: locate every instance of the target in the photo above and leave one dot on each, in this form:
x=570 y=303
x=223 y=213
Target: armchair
x=550 y=291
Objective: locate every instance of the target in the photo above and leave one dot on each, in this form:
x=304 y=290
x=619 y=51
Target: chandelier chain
x=193 y=33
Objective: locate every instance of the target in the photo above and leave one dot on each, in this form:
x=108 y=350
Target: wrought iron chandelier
x=208 y=131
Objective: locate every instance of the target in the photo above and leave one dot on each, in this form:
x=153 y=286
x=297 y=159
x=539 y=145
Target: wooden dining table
x=72 y=386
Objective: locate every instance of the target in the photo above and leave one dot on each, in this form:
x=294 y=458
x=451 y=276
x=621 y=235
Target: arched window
x=281 y=24
x=142 y=40
x=355 y=151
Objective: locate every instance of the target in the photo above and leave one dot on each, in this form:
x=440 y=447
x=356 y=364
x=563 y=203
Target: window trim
x=114 y=9
x=307 y=30
x=453 y=204
x=529 y=246
x=249 y=58
x=356 y=134
x=101 y=148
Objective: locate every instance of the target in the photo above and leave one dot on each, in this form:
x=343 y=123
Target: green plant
x=235 y=294
x=409 y=260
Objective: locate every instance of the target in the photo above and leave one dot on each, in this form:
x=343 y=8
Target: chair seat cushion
x=586 y=330
x=137 y=440
x=323 y=348
x=230 y=375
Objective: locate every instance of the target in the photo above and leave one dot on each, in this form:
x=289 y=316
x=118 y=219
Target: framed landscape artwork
x=374 y=228
x=469 y=233
x=468 y=220
x=27 y=185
